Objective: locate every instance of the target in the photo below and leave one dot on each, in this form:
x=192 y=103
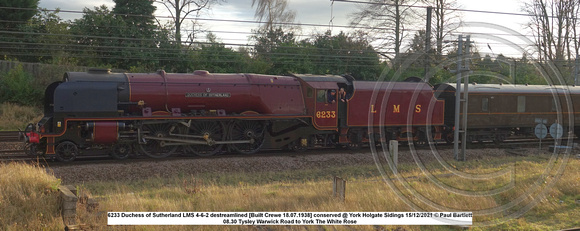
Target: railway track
x=11 y=148
x=9 y=136
x=14 y=151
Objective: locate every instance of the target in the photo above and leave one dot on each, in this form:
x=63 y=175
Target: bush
x=18 y=86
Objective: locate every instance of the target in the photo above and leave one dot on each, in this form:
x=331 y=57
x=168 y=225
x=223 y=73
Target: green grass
x=557 y=207
x=311 y=190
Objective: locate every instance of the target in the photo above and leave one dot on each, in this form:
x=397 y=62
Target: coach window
x=521 y=104
x=309 y=92
x=484 y=104
x=321 y=96
x=554 y=105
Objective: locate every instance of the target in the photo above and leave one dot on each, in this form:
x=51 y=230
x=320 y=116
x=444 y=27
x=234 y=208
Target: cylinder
x=105 y=132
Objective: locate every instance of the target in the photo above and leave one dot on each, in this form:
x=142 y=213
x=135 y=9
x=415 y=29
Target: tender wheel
x=448 y=137
x=354 y=140
x=353 y=146
x=66 y=151
x=244 y=130
x=156 y=148
x=213 y=130
x=421 y=139
x=121 y=151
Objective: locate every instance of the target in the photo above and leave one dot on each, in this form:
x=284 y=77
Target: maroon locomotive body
x=158 y=114
x=229 y=93
x=394 y=104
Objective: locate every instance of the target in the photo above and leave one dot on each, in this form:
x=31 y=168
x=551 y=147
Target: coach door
x=326 y=114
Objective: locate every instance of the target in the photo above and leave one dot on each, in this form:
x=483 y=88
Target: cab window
x=321 y=96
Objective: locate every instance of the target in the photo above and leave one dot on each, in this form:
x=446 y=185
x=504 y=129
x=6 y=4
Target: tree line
x=129 y=37
x=389 y=40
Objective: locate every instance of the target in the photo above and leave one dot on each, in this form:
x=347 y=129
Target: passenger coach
x=497 y=111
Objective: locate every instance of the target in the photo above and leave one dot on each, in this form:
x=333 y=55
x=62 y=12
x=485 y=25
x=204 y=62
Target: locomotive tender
x=157 y=114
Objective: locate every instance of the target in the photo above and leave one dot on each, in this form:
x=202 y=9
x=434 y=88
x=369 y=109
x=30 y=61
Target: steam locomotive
x=158 y=114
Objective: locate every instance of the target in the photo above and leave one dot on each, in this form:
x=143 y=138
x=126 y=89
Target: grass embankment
x=548 y=198
x=557 y=194
x=28 y=198
x=14 y=117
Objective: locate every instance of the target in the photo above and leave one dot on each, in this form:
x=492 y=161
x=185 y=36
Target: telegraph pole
x=428 y=44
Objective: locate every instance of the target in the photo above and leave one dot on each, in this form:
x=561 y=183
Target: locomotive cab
x=325 y=109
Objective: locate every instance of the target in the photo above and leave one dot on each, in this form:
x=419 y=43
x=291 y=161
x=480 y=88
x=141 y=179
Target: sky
x=498 y=33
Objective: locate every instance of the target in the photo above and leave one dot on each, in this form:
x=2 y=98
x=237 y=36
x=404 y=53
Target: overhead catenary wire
x=446 y=8
x=58 y=37
x=199 y=42
x=220 y=20
x=277 y=23
x=290 y=23
x=211 y=19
